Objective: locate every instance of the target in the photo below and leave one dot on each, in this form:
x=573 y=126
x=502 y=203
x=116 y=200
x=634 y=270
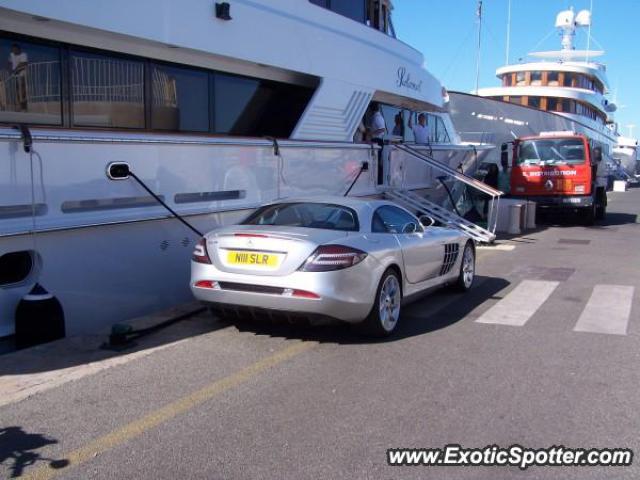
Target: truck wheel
x=589 y=215
x=601 y=208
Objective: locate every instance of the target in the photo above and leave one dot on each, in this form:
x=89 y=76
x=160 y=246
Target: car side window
x=389 y=219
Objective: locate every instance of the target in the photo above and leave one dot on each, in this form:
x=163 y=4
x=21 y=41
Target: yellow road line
x=166 y=413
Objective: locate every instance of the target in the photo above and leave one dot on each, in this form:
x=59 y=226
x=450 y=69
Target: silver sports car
x=354 y=260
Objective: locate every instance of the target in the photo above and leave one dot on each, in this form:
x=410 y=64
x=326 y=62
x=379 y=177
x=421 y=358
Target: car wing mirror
x=426 y=221
x=410 y=228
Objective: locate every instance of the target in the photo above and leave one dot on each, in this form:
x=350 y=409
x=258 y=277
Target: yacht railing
x=92 y=80
x=41 y=81
x=104 y=80
x=165 y=92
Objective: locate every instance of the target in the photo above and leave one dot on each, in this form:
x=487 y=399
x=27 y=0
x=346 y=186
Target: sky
x=446 y=32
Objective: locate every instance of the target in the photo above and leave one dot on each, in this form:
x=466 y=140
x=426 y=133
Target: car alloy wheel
x=389 y=303
x=468 y=266
x=467 y=271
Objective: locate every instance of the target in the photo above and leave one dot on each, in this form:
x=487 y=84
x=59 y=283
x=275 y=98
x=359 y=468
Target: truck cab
x=561 y=170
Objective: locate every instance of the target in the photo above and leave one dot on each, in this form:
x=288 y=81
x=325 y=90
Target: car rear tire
x=385 y=312
x=467 y=269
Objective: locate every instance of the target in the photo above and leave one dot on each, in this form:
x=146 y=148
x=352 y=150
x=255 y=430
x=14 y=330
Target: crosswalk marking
x=607 y=311
x=499 y=246
x=520 y=304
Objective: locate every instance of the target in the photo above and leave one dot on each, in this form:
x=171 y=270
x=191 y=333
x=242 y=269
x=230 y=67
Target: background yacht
x=216 y=107
x=557 y=90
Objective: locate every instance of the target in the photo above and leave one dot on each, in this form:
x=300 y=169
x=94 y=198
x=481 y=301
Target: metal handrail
x=433 y=163
x=472 y=182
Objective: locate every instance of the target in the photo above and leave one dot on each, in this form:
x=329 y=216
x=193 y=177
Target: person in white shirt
x=378 y=125
x=18 y=62
x=420 y=131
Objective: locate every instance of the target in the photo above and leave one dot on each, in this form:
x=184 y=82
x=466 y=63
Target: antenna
x=631 y=126
x=479 y=13
x=508 y=33
x=586 y=58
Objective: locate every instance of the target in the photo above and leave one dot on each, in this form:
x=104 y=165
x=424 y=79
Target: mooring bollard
x=514 y=219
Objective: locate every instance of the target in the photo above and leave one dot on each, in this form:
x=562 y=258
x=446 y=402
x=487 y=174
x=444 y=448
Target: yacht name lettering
x=404 y=80
x=551 y=173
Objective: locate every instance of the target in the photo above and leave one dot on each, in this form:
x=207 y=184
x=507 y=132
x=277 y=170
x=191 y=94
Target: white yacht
x=626 y=152
x=557 y=90
x=216 y=107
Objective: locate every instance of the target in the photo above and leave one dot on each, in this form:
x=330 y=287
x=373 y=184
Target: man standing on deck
x=377 y=130
x=420 y=131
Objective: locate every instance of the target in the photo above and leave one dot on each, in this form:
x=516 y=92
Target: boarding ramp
x=414 y=201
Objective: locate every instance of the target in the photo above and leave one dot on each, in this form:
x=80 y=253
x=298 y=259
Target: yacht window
x=431 y=124
x=568 y=77
x=598 y=86
x=354 y=9
x=506 y=80
x=552 y=79
x=106 y=91
x=233 y=97
x=536 y=78
x=520 y=78
x=257 y=108
x=178 y=99
x=395 y=120
x=552 y=104
x=29 y=83
x=442 y=136
x=534 y=102
x=568 y=106
x=516 y=100
x=349 y=8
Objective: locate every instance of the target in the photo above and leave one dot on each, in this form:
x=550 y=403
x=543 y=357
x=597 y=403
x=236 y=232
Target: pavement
x=543 y=351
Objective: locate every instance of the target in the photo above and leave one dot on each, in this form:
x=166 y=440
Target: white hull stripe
x=607 y=311
x=520 y=304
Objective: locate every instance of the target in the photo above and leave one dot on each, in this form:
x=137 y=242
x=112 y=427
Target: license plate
x=257 y=259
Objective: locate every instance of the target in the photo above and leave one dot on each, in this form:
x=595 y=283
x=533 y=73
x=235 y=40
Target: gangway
x=413 y=200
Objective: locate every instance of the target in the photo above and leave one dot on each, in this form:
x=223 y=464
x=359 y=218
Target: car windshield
x=310 y=215
x=560 y=151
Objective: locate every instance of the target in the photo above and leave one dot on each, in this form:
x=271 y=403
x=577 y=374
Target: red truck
x=561 y=170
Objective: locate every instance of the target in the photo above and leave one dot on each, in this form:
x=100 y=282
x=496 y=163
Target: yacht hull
x=109 y=252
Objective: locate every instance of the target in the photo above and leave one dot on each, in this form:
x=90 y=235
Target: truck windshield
x=559 y=151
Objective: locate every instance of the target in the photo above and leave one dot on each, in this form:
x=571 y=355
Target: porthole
x=17 y=267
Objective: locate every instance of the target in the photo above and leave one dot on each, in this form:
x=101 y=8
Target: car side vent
x=450 y=257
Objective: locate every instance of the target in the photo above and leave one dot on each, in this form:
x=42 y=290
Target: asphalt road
x=543 y=351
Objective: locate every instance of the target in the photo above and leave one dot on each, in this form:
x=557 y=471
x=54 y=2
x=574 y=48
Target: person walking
x=504 y=177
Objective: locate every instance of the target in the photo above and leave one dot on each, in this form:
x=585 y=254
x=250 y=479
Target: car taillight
x=200 y=253
x=579 y=188
x=332 y=257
